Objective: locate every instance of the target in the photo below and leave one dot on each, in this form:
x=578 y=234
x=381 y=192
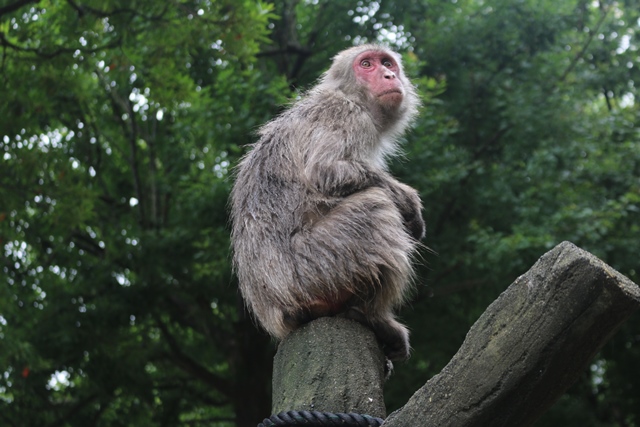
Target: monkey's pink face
x=379 y=72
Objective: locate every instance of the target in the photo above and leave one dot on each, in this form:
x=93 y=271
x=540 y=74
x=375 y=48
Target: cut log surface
x=528 y=347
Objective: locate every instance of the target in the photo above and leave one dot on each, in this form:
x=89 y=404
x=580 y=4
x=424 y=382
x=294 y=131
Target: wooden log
x=528 y=347
x=329 y=365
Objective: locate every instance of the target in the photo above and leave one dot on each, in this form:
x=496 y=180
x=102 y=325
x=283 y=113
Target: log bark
x=528 y=347
x=329 y=365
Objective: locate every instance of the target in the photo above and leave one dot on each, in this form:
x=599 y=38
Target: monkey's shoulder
x=331 y=106
x=319 y=110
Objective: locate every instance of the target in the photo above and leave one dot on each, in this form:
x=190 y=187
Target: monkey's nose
x=389 y=74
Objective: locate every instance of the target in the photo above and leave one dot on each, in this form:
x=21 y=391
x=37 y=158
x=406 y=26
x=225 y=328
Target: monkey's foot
x=393 y=335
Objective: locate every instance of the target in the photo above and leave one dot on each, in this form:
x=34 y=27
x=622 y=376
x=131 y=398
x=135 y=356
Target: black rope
x=320 y=419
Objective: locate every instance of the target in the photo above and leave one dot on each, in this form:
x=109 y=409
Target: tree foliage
x=121 y=121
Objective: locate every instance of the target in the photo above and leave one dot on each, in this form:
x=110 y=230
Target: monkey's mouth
x=391 y=92
x=391 y=98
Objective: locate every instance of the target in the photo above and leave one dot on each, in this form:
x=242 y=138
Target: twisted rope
x=320 y=419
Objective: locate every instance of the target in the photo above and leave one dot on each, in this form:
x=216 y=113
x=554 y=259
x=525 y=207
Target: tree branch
x=75 y=409
x=580 y=54
x=61 y=50
x=84 y=9
x=122 y=106
x=15 y=6
x=190 y=366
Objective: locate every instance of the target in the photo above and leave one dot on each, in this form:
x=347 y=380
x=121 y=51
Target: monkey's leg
x=393 y=335
x=360 y=249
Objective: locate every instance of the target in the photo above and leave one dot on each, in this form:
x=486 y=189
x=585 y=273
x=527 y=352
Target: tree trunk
x=522 y=354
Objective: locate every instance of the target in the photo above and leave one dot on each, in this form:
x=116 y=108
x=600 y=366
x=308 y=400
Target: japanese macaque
x=320 y=227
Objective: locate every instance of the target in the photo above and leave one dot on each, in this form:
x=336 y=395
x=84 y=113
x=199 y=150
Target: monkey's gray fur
x=320 y=227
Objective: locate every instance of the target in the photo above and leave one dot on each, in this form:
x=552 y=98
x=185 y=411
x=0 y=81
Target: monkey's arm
x=408 y=202
x=341 y=177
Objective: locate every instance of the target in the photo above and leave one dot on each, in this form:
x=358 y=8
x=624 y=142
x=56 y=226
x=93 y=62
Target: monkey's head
x=373 y=76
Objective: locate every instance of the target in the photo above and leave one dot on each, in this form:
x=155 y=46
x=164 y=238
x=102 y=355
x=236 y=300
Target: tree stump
x=331 y=364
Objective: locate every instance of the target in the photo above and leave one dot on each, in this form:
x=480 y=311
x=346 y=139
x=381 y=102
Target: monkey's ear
x=337 y=77
x=340 y=75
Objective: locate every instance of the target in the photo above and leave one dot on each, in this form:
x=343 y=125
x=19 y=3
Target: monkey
x=319 y=225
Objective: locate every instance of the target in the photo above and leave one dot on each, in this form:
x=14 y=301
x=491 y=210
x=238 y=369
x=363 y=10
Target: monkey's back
x=272 y=193
x=267 y=203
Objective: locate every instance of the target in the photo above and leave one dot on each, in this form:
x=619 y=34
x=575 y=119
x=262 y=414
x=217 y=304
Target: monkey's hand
x=408 y=202
x=341 y=177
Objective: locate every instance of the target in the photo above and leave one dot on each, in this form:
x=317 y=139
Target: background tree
x=118 y=306
x=120 y=121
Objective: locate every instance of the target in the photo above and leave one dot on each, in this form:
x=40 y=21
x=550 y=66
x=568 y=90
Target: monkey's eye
x=387 y=63
x=365 y=63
